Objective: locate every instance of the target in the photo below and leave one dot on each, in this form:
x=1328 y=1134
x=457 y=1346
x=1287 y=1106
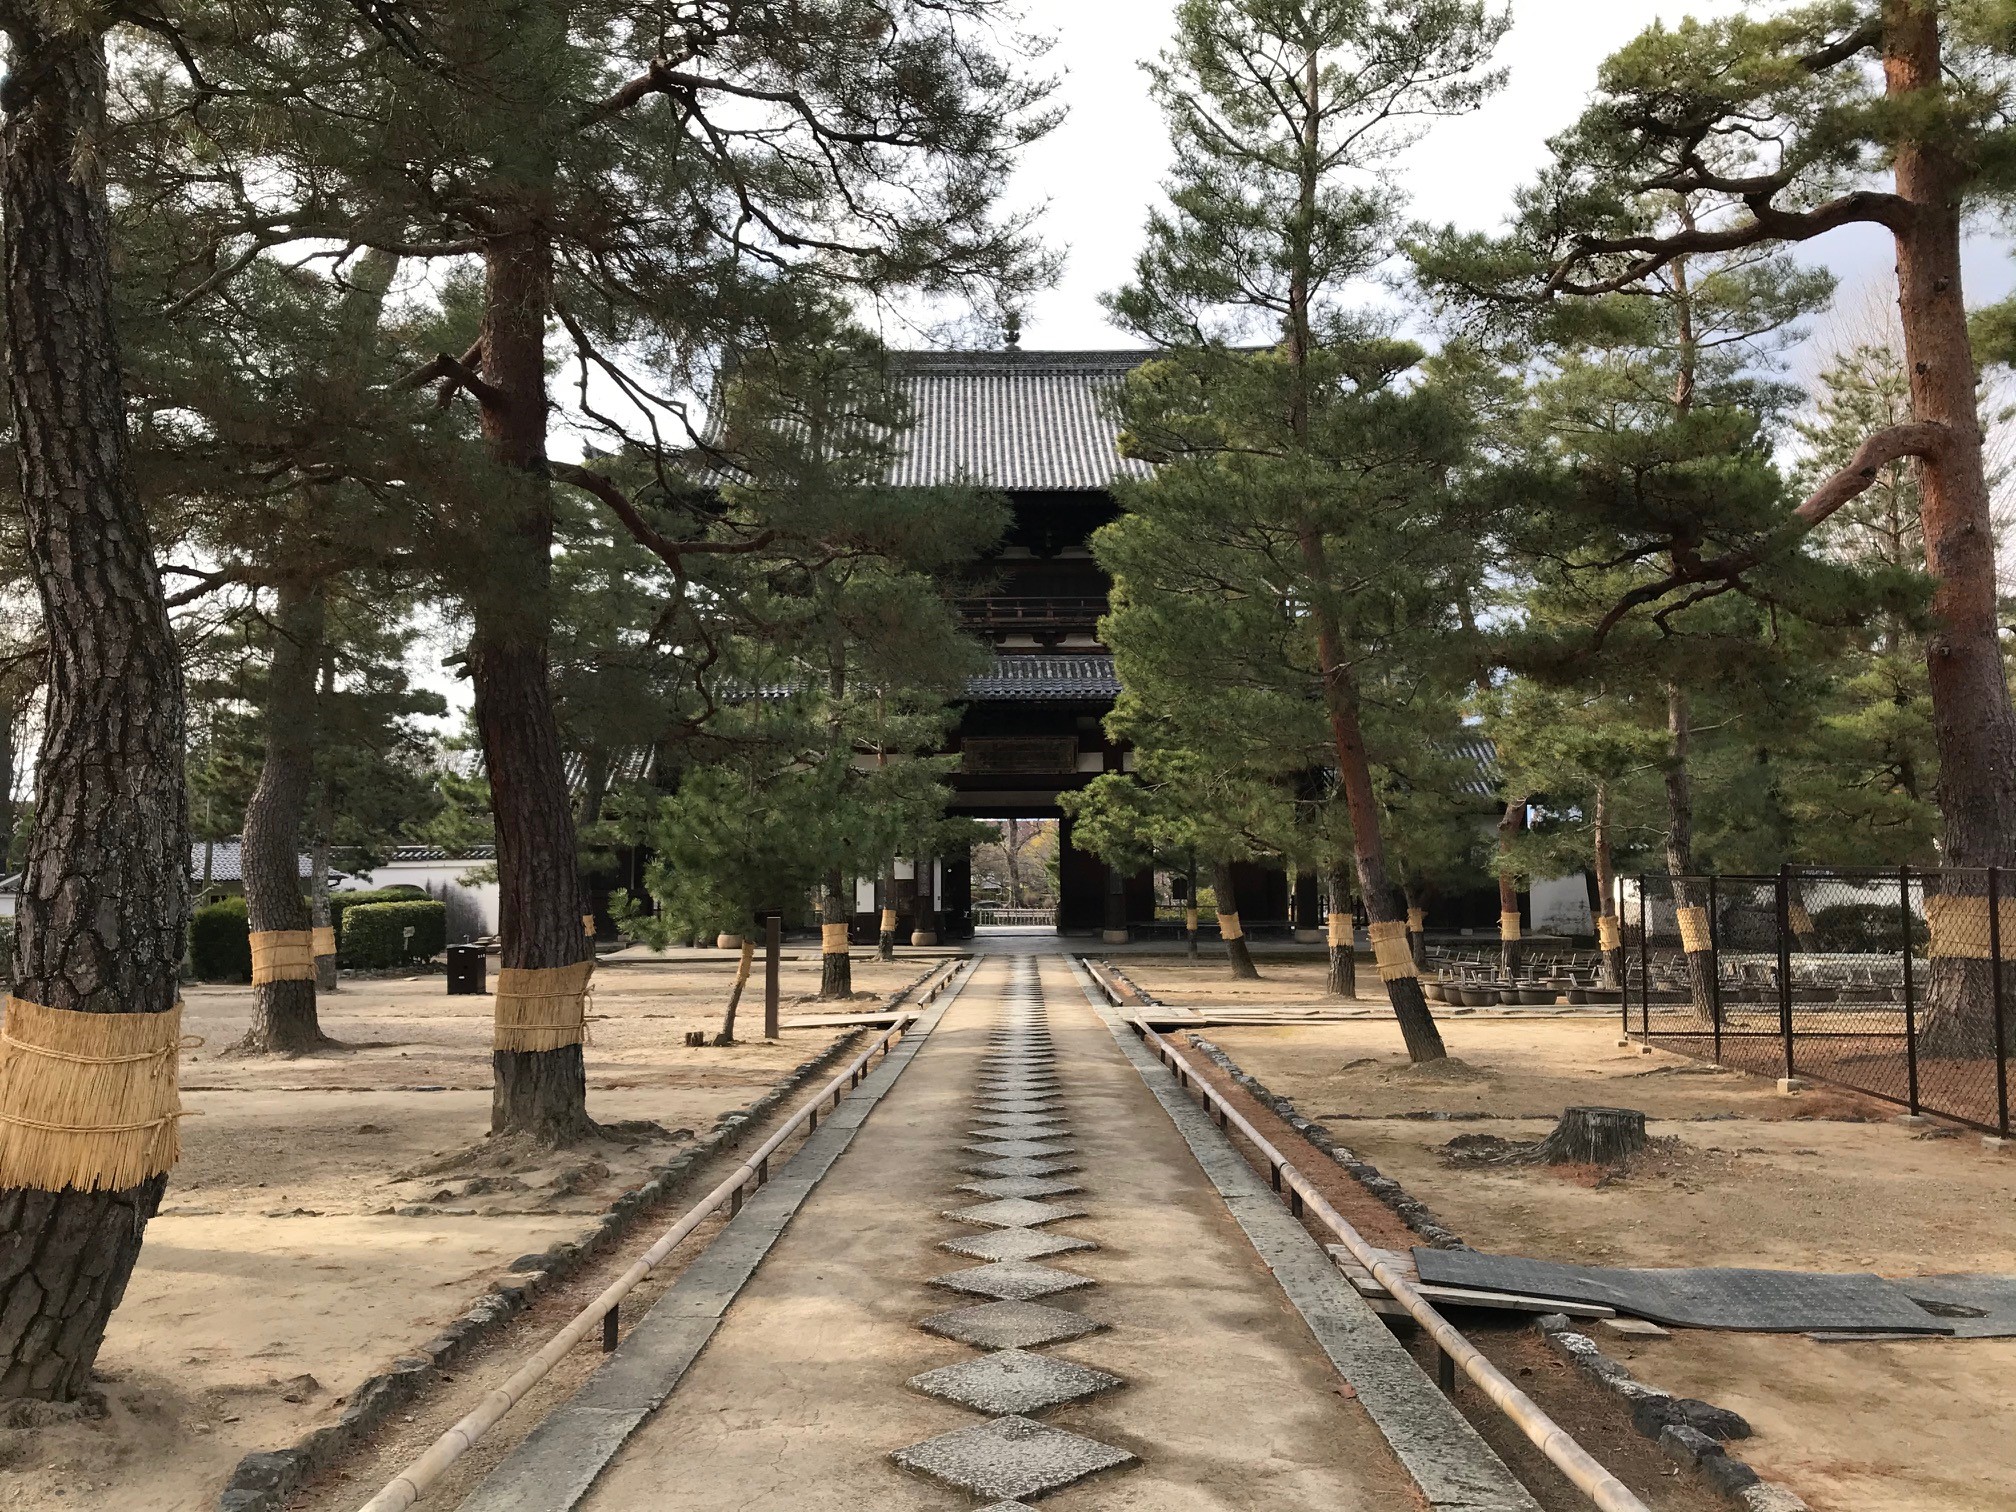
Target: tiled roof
x=1013 y=678
x=1015 y=420
x=227 y=864
x=439 y=853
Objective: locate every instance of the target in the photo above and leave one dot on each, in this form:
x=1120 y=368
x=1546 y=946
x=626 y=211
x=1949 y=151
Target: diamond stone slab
x=1020 y=1126
x=996 y=1105
x=999 y=1149
x=1016 y=1244
x=1010 y=1458
x=1009 y=1325
x=1024 y=1086
x=1014 y=1212
x=1021 y=1165
x=1020 y=1186
x=1013 y=1381
x=1012 y=1281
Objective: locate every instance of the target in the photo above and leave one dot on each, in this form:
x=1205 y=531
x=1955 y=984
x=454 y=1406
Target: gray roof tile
x=1016 y=420
x=1045 y=677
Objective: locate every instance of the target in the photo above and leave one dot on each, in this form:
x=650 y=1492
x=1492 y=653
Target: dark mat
x=1757 y=1301
x=1974 y=1307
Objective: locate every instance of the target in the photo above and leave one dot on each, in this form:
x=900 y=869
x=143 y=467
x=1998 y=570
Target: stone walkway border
x=1450 y=1463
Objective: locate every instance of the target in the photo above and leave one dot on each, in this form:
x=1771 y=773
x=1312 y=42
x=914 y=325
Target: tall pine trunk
x=1689 y=914
x=836 y=966
x=539 y=1093
x=1368 y=840
x=1237 y=955
x=1343 y=979
x=283 y=1012
x=885 y=936
x=105 y=895
x=1609 y=927
x=1973 y=726
x=1510 y=825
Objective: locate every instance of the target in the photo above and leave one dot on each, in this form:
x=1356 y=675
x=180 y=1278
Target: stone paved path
x=1016 y=1283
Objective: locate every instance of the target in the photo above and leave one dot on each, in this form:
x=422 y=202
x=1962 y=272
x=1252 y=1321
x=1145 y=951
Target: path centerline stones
x=1021 y=1129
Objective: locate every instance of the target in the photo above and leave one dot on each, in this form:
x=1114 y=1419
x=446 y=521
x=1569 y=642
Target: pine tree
x=1287 y=119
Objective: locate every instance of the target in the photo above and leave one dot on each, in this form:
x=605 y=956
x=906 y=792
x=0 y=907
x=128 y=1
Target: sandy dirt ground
x=1289 y=977
x=1818 y=1180
x=332 y=1210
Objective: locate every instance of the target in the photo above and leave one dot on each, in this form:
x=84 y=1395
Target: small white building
x=472 y=904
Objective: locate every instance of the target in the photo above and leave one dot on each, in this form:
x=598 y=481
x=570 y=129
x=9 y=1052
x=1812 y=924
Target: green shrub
x=220 y=944
x=374 y=934
x=341 y=903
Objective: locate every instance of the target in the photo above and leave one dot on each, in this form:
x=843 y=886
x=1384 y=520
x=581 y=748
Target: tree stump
x=1594 y=1136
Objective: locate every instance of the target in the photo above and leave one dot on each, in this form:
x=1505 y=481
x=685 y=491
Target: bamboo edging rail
x=412 y=1483
x=1570 y=1458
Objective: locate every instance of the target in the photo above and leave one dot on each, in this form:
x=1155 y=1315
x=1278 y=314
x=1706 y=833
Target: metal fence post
x=1995 y=978
x=1905 y=916
x=1644 y=958
x=1785 y=964
x=1714 y=968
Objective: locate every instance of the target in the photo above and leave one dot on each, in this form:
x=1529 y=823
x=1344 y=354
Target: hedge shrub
x=220 y=946
x=374 y=934
x=341 y=903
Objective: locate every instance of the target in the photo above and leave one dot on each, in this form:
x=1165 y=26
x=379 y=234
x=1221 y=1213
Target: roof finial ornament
x=1011 y=330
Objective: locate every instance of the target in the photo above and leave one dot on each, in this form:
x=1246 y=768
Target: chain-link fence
x=1894 y=983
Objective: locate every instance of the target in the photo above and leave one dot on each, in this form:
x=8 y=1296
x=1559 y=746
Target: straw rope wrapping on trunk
x=1229 y=927
x=1508 y=927
x=588 y=926
x=88 y=1100
x=1694 y=930
x=283 y=955
x=888 y=921
x=542 y=1007
x=1391 y=950
x=325 y=940
x=833 y=939
x=1340 y=929
x=1417 y=921
x=1609 y=935
x=1959 y=925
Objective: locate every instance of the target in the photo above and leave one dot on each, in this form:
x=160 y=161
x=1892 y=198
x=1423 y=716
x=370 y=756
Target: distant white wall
x=1560 y=905
x=435 y=876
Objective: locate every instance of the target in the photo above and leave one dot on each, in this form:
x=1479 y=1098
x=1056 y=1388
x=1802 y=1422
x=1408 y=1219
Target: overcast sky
x=1101 y=169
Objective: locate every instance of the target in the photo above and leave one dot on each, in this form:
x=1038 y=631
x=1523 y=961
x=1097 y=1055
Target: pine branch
x=1878 y=451
x=642 y=531
x=454 y=373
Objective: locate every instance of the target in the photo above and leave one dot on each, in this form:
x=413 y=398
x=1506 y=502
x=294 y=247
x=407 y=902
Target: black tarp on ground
x=1757 y=1301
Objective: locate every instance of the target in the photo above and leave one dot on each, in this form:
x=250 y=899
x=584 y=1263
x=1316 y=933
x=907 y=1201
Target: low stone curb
x=1415 y=1214
x=1141 y=997
x=1688 y=1430
x=264 y=1479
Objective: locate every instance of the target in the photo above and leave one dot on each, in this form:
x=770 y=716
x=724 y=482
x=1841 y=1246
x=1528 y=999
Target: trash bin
x=466 y=966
